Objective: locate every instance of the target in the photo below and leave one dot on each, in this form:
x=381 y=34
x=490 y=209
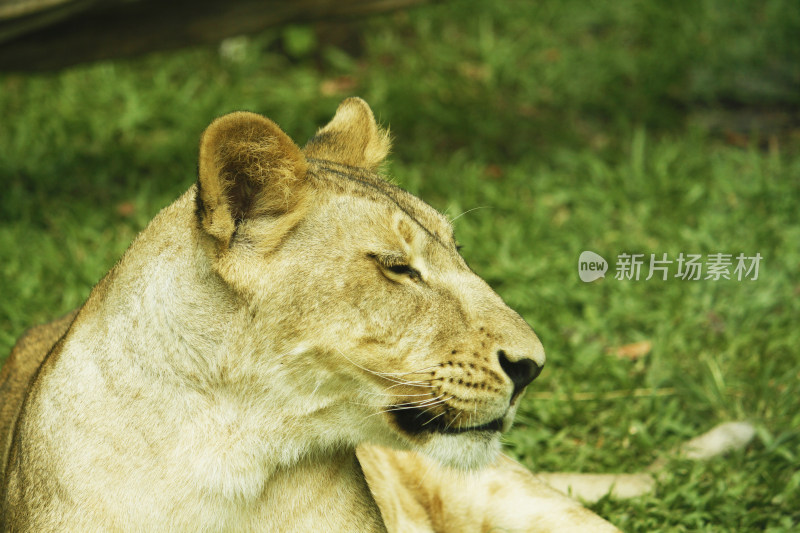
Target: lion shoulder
x=18 y=371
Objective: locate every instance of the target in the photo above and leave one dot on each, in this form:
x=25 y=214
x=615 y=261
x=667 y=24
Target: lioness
x=263 y=353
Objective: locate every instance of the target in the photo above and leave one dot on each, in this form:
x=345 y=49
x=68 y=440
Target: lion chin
x=466 y=451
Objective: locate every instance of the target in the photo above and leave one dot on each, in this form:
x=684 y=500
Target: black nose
x=521 y=372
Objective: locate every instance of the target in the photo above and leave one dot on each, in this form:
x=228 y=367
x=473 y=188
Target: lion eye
x=404 y=270
x=394 y=266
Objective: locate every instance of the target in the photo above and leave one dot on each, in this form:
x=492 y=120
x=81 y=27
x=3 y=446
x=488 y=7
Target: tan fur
x=289 y=308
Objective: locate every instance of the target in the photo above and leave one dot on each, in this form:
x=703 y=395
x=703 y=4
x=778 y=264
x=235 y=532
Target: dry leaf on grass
x=633 y=351
x=337 y=86
x=126 y=209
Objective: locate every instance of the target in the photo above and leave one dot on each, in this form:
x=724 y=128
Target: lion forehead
x=361 y=183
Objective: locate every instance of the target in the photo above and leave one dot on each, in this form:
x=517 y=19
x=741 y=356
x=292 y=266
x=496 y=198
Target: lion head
x=358 y=299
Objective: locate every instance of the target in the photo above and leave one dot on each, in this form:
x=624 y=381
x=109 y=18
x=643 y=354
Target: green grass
x=558 y=127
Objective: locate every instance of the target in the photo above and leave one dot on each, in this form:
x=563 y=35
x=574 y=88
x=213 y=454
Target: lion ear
x=351 y=138
x=248 y=168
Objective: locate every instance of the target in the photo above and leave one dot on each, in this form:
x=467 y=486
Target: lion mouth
x=416 y=421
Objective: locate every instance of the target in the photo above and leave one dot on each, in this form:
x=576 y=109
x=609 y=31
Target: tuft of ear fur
x=352 y=137
x=248 y=168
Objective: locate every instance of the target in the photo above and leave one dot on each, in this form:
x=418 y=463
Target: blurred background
x=543 y=129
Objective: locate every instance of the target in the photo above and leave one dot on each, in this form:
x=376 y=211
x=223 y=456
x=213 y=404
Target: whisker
x=420 y=371
x=473 y=414
x=434 y=418
x=385 y=375
x=365 y=369
x=469 y=211
x=404 y=404
x=421 y=402
x=411 y=384
x=385 y=395
x=423 y=405
x=453 y=420
x=407 y=407
x=403 y=407
x=393 y=409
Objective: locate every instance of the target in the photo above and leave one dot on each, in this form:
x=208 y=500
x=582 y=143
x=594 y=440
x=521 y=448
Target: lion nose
x=521 y=372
